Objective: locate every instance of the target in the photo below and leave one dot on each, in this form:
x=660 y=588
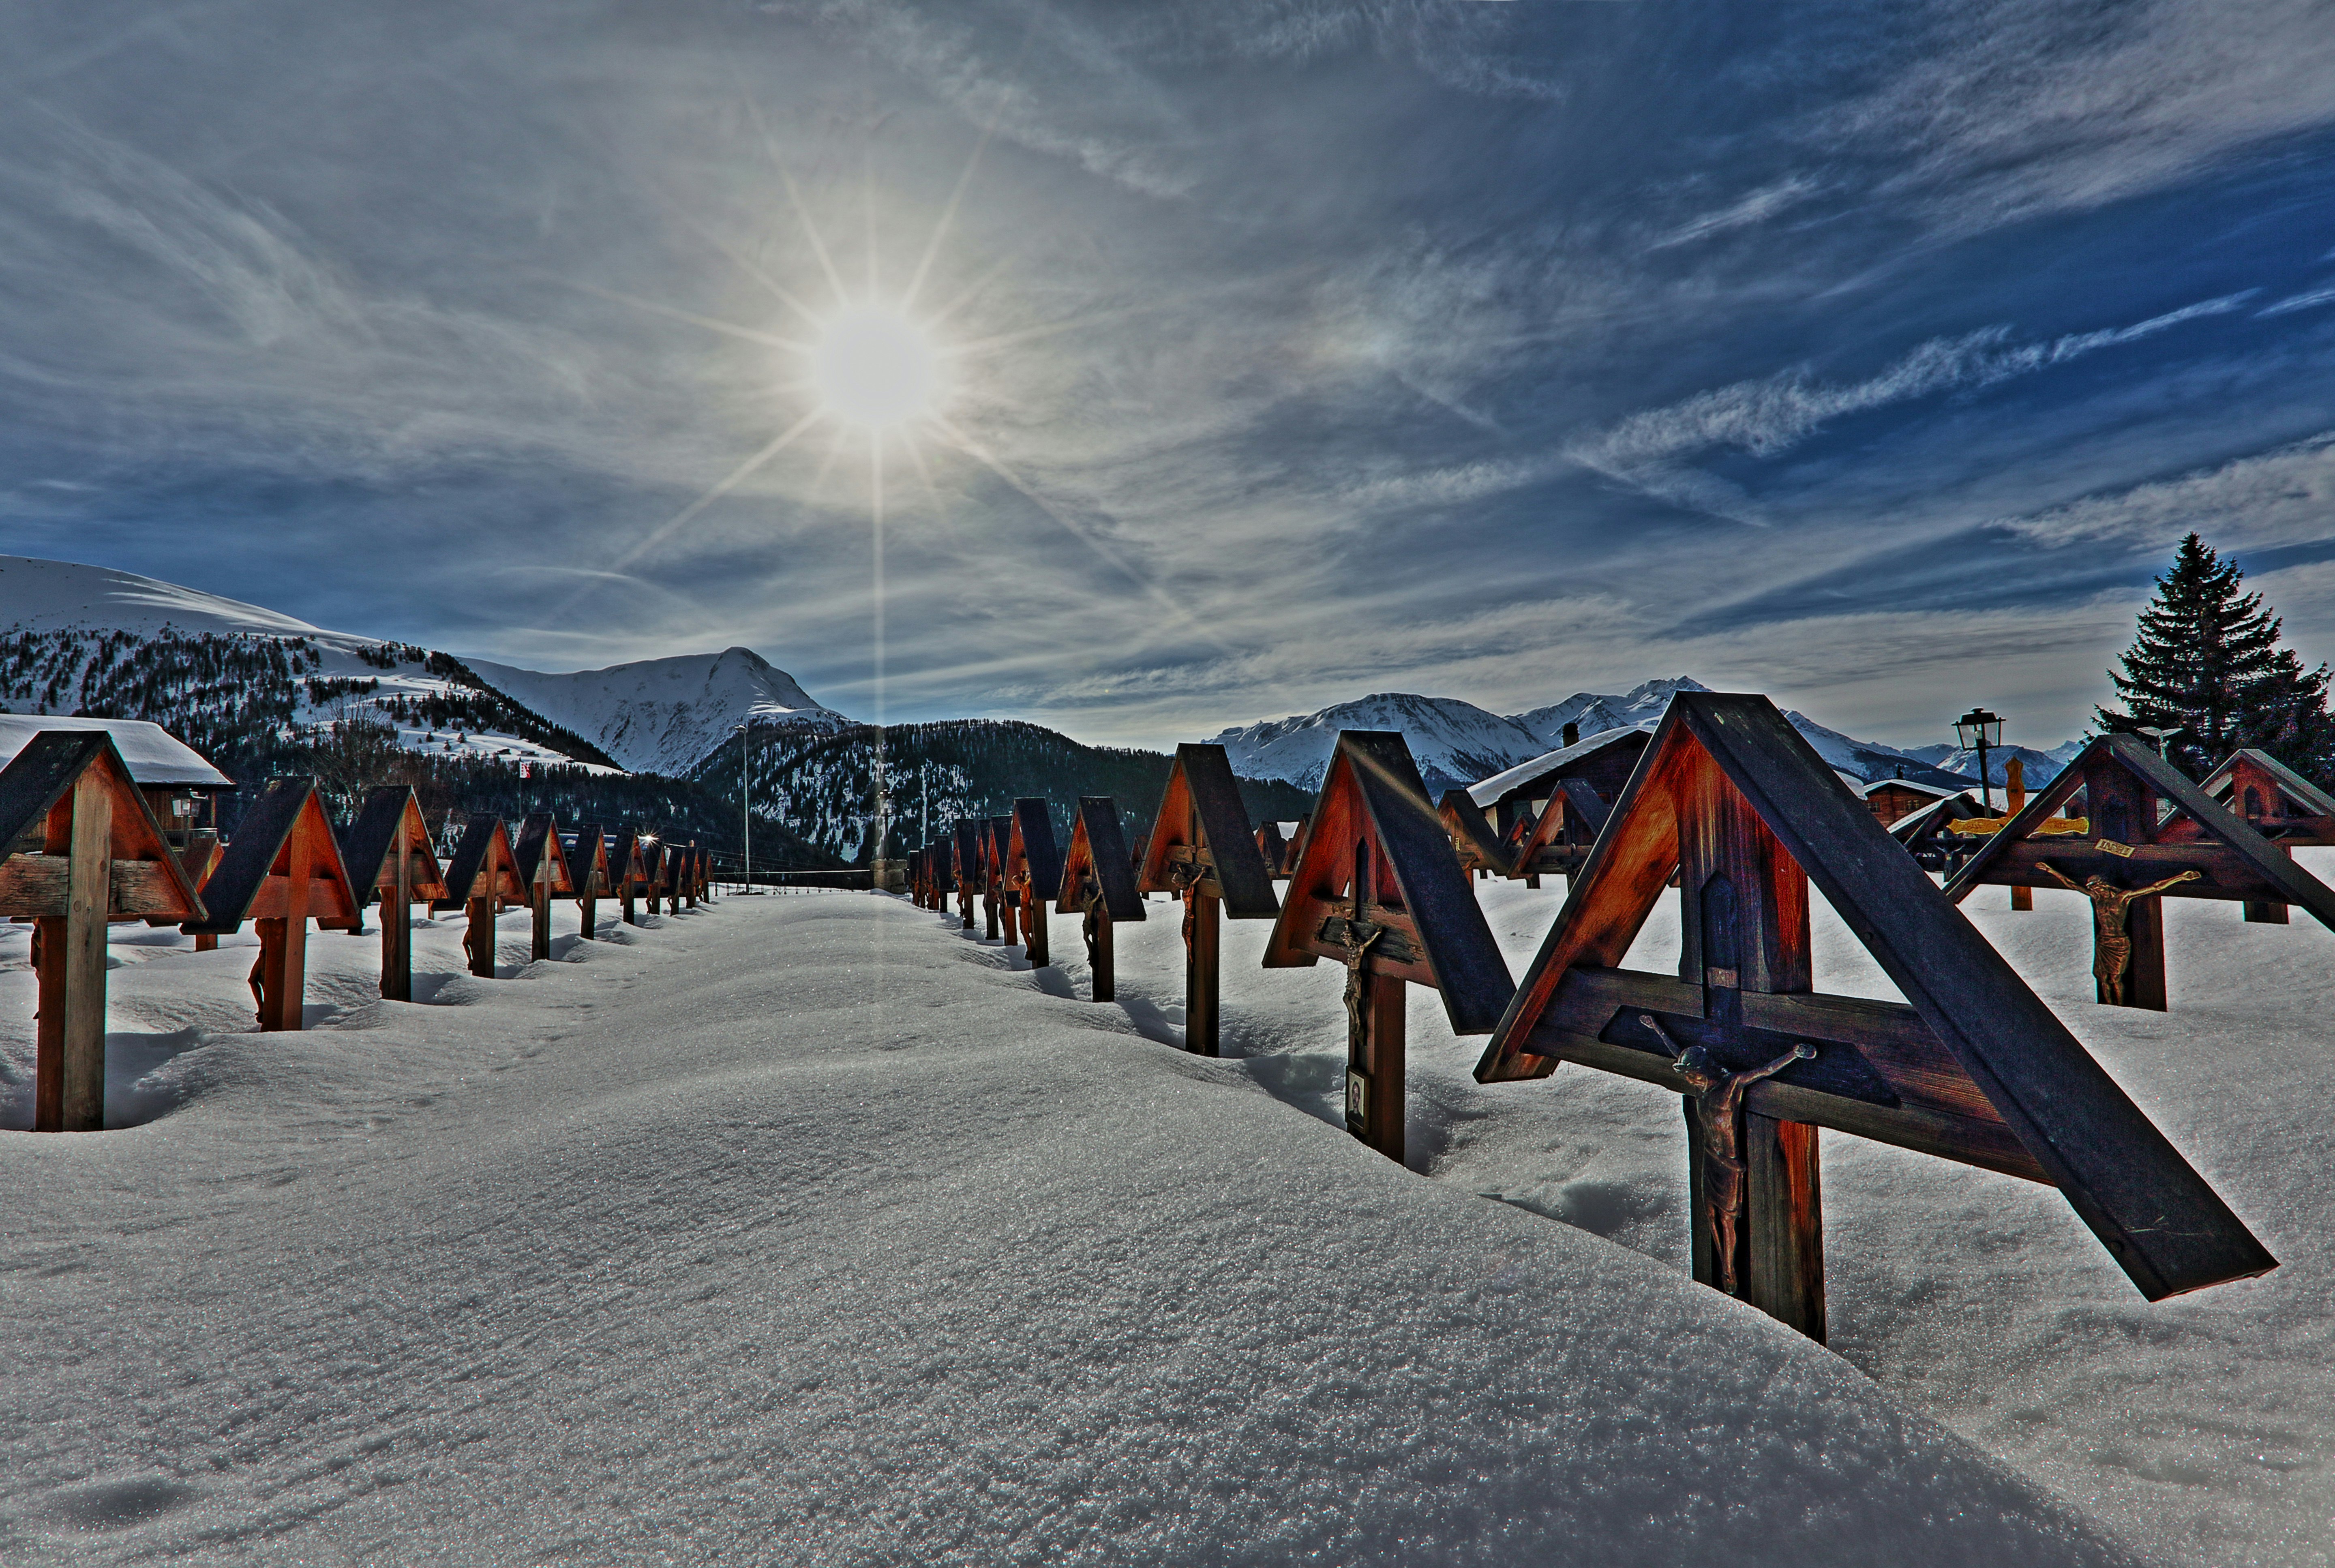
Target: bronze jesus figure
x=2111 y=912
x=1719 y=1100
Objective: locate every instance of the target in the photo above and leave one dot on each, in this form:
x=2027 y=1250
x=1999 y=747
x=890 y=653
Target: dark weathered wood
x=1034 y=873
x=84 y=825
x=970 y=874
x=1203 y=983
x=1784 y=1224
x=1098 y=885
x=1727 y=783
x=479 y=937
x=1200 y=814
x=1473 y=838
x=1375 y=1067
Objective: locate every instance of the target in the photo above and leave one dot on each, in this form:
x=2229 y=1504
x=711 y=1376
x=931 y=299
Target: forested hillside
x=826 y=785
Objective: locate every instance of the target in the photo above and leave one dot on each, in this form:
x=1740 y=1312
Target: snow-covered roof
x=2301 y=789
x=155 y=757
x=1934 y=791
x=1486 y=792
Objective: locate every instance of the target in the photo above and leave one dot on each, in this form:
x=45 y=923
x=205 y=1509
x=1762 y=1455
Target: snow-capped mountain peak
x=1592 y=713
x=1451 y=740
x=663 y=715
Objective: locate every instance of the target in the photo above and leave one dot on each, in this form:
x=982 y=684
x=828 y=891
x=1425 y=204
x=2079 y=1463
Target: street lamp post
x=746 y=796
x=1977 y=730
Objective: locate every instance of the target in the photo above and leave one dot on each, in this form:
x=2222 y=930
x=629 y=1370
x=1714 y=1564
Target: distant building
x=178 y=781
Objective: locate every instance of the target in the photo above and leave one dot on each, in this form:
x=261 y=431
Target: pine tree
x=2206 y=659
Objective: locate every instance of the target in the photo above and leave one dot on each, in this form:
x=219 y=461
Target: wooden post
x=539 y=904
x=631 y=905
x=479 y=939
x=206 y=941
x=1703 y=1240
x=2269 y=911
x=1202 y=933
x=1374 y=1065
x=1106 y=971
x=69 y=1050
x=397 y=928
x=2144 y=982
x=2014 y=796
x=988 y=907
x=1784 y=1236
x=585 y=907
x=282 y=969
x=1034 y=928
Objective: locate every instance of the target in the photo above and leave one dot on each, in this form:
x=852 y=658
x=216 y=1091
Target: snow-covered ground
x=806 y=1230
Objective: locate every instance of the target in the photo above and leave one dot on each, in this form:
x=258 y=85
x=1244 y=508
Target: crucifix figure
x=1089 y=901
x=1358 y=947
x=1718 y=1103
x=2111 y=910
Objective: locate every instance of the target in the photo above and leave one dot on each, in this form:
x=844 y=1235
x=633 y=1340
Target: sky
x=1874 y=357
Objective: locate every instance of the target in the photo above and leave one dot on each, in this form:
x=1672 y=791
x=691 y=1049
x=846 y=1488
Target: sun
x=873 y=367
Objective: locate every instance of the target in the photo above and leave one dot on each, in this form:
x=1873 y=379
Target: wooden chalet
x=1202 y=850
x=1033 y=872
x=1547 y=812
x=1470 y=832
x=482 y=876
x=1972 y=1067
x=587 y=864
x=542 y=866
x=628 y=872
x=80 y=845
x=282 y=869
x=389 y=856
x=2146 y=833
x=1099 y=886
x=1379 y=891
x=2272 y=798
x=179 y=784
x=1892 y=800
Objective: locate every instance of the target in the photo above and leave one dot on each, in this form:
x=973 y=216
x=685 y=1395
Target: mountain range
x=1456 y=742
x=91 y=639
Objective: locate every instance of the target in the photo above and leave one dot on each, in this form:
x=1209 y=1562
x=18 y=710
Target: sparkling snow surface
x=804 y=1230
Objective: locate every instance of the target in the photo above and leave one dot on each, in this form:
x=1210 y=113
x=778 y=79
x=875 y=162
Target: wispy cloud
x=2294 y=302
x=1769 y=415
x=1756 y=207
x=2276 y=497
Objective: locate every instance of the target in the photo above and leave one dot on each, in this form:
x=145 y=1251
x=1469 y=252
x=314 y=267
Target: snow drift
x=804 y=1231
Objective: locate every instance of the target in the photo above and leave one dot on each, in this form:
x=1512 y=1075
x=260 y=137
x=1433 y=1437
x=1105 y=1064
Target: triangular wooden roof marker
x=587 y=862
x=1202 y=848
x=79 y=843
x=1471 y=835
x=146 y=879
x=537 y=841
x=1977 y=1069
x=1418 y=921
x=628 y=873
x=1098 y=885
x=2283 y=805
x=2130 y=842
x=483 y=866
x=282 y=869
x=965 y=863
x=1034 y=873
x=391 y=815
x=389 y=854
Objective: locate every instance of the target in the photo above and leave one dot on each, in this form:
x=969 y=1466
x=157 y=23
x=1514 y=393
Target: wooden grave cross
x=80 y=845
x=1379 y=890
x=542 y=866
x=282 y=869
x=1098 y=887
x=2147 y=832
x=1274 y=850
x=1034 y=871
x=627 y=873
x=1202 y=849
x=481 y=878
x=1972 y=1067
x=654 y=853
x=389 y=854
x=693 y=881
x=968 y=867
x=997 y=916
x=2276 y=802
x=1479 y=849
x=588 y=863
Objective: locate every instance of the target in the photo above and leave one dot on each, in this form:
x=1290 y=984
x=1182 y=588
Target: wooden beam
x=397 y=928
x=1784 y=1239
x=70 y=1045
x=1203 y=989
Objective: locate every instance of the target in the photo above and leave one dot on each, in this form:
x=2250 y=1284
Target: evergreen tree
x=2206 y=659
